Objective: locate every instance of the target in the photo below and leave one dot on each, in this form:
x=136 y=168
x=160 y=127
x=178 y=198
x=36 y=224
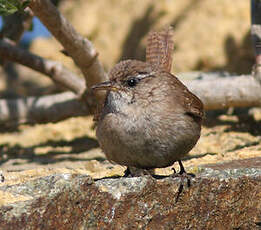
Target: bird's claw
x=183 y=175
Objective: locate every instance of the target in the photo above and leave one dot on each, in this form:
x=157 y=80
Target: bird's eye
x=132 y=82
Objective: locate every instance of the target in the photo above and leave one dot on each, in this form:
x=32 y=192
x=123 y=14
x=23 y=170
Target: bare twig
x=44 y=109
x=225 y=92
x=58 y=73
x=14 y=26
x=53 y=108
x=79 y=48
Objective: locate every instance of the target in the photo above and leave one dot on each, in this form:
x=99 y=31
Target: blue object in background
x=39 y=30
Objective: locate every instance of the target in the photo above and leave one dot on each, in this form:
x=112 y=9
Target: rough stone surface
x=44 y=182
x=217 y=199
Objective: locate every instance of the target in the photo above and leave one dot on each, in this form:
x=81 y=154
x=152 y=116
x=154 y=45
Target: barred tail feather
x=159 y=49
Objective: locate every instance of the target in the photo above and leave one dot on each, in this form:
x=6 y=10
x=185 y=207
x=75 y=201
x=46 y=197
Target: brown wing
x=194 y=106
x=190 y=102
x=159 y=49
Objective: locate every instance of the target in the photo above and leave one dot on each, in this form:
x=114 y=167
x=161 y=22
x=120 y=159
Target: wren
x=149 y=118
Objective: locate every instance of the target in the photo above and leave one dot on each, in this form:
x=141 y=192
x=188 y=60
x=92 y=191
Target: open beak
x=107 y=85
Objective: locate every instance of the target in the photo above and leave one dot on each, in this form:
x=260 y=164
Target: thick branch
x=54 y=70
x=225 y=92
x=44 y=109
x=79 y=48
x=215 y=92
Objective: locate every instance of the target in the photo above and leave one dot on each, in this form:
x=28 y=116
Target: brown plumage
x=149 y=118
x=159 y=50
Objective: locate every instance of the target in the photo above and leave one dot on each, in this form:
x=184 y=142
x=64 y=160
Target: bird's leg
x=127 y=172
x=135 y=172
x=184 y=175
x=182 y=170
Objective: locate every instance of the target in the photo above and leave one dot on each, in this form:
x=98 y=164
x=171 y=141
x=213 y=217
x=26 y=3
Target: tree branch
x=16 y=24
x=215 y=92
x=58 y=73
x=79 y=48
x=44 y=109
x=224 y=92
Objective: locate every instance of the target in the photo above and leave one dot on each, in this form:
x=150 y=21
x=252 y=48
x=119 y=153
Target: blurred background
x=210 y=35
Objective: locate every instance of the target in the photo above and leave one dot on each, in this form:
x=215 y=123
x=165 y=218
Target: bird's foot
x=184 y=176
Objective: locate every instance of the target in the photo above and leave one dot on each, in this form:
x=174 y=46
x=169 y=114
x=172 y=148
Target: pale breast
x=137 y=139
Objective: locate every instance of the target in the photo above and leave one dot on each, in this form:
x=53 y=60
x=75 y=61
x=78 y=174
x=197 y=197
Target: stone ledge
x=217 y=199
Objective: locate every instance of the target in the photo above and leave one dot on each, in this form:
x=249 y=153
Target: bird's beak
x=107 y=85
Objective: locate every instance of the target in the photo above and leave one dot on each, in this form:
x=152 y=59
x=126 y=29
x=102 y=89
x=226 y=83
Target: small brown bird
x=149 y=118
